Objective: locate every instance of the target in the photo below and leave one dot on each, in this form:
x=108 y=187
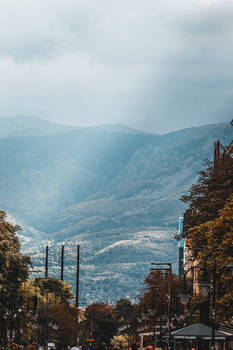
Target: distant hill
x=29 y=126
x=112 y=189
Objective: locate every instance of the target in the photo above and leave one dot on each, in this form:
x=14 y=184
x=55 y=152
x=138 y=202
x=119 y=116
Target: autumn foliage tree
x=64 y=317
x=57 y=318
x=218 y=235
x=154 y=299
x=209 y=195
x=99 y=323
x=54 y=290
x=208 y=226
x=34 y=306
x=123 y=311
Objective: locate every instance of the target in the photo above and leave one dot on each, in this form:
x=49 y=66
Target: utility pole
x=77 y=276
x=46 y=261
x=62 y=263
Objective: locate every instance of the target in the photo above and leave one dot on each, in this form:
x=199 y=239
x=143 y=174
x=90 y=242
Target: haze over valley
x=112 y=189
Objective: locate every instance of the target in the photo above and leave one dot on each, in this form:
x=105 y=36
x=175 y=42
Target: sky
x=155 y=65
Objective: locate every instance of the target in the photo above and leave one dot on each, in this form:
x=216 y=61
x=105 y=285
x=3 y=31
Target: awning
x=228 y=331
x=198 y=331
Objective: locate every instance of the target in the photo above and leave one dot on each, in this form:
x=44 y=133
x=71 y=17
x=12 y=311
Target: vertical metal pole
x=19 y=336
x=170 y=301
x=160 y=324
x=169 y=269
x=181 y=248
x=77 y=276
x=46 y=261
x=62 y=263
x=213 y=307
x=154 y=318
x=141 y=341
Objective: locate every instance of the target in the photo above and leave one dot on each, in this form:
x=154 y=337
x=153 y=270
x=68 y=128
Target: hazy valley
x=111 y=189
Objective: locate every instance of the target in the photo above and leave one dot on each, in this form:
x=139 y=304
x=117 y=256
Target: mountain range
x=111 y=189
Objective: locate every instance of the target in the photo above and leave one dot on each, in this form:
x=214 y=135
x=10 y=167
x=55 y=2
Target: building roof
x=198 y=331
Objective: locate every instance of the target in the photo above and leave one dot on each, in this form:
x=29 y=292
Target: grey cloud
x=212 y=21
x=153 y=65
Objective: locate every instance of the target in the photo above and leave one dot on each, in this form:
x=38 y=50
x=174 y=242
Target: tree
x=55 y=316
x=208 y=225
x=121 y=341
x=14 y=271
x=43 y=302
x=154 y=299
x=156 y=288
x=218 y=235
x=63 y=323
x=14 y=266
x=209 y=194
x=26 y=303
x=55 y=290
x=99 y=323
x=123 y=311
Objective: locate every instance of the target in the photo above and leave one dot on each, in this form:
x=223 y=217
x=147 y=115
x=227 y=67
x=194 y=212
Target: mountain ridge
x=114 y=192
x=21 y=125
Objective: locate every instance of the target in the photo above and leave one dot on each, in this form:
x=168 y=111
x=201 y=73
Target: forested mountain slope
x=112 y=189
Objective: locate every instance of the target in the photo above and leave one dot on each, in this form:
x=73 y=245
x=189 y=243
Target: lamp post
x=153 y=316
x=205 y=284
x=169 y=269
x=184 y=294
x=1 y=313
x=19 y=324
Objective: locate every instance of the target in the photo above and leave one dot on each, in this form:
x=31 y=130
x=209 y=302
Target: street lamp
x=205 y=285
x=230 y=267
x=20 y=309
x=204 y=282
x=184 y=297
x=169 y=269
x=184 y=294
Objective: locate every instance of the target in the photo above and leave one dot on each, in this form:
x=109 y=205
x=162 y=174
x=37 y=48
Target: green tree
x=43 y=301
x=55 y=290
x=123 y=311
x=14 y=266
x=99 y=323
x=121 y=341
x=14 y=271
x=56 y=317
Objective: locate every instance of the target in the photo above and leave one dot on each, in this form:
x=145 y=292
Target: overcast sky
x=157 y=65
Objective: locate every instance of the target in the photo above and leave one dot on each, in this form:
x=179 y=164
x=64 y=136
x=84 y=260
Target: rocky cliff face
x=113 y=190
